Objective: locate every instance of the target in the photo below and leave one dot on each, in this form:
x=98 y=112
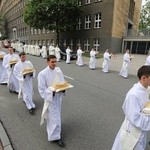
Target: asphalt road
x=91 y=111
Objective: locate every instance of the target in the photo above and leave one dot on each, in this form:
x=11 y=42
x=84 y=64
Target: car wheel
x=64 y=58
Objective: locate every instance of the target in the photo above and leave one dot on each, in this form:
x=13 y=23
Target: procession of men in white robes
x=135 y=98
x=25 y=81
x=12 y=83
x=106 y=62
x=79 y=57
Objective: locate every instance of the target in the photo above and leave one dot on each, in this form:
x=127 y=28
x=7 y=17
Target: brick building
x=102 y=24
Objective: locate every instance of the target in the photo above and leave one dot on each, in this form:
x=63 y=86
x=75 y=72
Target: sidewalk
x=116 y=63
x=4 y=140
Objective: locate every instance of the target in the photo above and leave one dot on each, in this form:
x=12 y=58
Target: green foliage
x=59 y=15
x=145 y=16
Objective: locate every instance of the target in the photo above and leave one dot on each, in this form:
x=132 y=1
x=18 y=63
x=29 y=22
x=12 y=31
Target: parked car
x=63 y=55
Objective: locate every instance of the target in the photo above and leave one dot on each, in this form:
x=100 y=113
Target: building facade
x=102 y=25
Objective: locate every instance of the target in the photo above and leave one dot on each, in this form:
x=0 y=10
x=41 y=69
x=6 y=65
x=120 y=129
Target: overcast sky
x=143 y=2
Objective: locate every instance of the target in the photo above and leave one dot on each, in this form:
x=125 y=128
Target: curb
x=4 y=140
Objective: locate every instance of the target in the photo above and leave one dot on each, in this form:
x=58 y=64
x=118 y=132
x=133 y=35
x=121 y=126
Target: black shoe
x=10 y=91
x=60 y=143
x=31 y=111
x=15 y=92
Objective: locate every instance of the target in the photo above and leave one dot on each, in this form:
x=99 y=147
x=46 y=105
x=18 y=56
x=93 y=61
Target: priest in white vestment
x=44 y=51
x=25 y=48
x=125 y=66
x=51 y=50
x=68 y=51
x=37 y=50
x=8 y=62
x=52 y=100
x=79 y=57
x=21 y=71
x=133 y=132
x=106 y=62
x=147 y=62
x=3 y=71
x=92 y=63
x=57 y=53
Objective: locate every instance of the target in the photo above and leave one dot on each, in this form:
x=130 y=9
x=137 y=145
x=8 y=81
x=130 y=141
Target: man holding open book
x=52 y=86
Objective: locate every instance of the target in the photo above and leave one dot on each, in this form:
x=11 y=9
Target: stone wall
x=136 y=18
x=120 y=18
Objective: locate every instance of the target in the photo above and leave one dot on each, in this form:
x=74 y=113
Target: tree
x=59 y=15
x=3 y=34
x=145 y=16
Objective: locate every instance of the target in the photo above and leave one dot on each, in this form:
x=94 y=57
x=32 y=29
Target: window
x=47 y=31
x=132 y=6
x=98 y=0
x=71 y=44
x=88 y=22
x=97 y=20
x=87 y=1
x=64 y=43
x=79 y=24
x=35 y=31
x=86 y=44
x=79 y=2
x=78 y=43
x=47 y=42
x=39 y=31
x=52 y=42
x=96 y=44
x=43 y=31
x=31 y=31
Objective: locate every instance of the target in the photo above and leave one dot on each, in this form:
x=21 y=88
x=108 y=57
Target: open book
x=28 y=71
x=146 y=109
x=1 y=56
x=60 y=86
x=13 y=62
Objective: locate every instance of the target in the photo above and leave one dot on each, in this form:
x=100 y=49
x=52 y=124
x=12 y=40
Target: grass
x=98 y=56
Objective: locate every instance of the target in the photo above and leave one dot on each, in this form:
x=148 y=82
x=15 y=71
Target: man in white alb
x=133 y=132
x=25 y=81
x=9 y=62
x=52 y=100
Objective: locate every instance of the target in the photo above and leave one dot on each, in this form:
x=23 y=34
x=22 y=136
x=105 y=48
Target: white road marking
x=68 y=77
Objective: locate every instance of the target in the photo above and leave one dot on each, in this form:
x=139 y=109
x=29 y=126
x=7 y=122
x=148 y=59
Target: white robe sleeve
x=134 y=113
x=5 y=62
x=45 y=92
x=127 y=58
x=17 y=72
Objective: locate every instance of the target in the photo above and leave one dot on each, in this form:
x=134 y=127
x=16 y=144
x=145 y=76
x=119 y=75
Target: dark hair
x=49 y=57
x=14 y=50
x=22 y=53
x=143 y=71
